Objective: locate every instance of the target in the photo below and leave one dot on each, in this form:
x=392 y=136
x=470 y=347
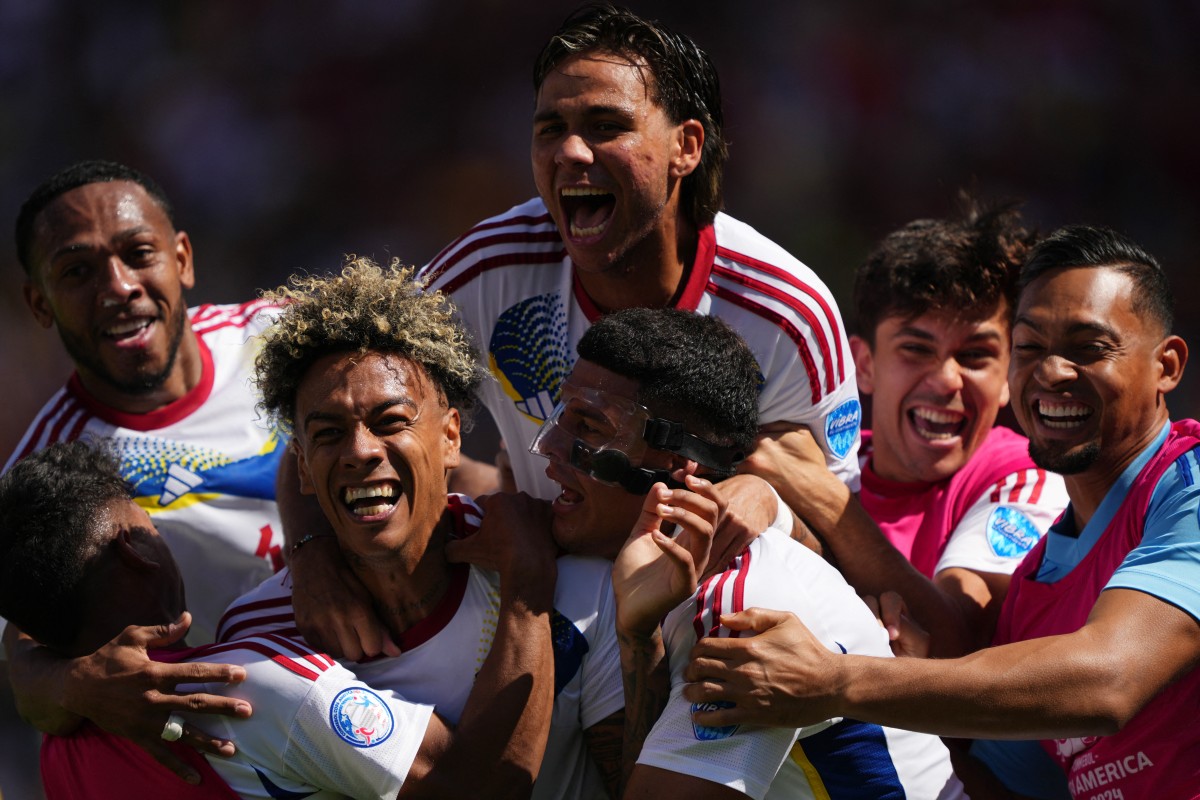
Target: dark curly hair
x=364 y=308
x=48 y=535
x=74 y=176
x=964 y=265
x=685 y=85
x=691 y=366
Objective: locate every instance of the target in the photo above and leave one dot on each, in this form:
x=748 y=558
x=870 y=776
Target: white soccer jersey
x=441 y=655
x=316 y=731
x=1005 y=522
x=837 y=759
x=515 y=289
x=203 y=467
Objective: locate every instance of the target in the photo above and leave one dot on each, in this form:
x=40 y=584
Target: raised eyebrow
x=916 y=333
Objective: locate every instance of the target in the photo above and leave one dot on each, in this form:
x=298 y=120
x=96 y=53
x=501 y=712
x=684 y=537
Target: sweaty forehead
x=109 y=206
x=1079 y=294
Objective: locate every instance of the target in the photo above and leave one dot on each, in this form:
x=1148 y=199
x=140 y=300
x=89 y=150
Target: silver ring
x=173 y=730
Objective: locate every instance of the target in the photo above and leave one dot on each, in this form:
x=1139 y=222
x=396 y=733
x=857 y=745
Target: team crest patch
x=360 y=717
x=841 y=427
x=529 y=356
x=711 y=733
x=1010 y=533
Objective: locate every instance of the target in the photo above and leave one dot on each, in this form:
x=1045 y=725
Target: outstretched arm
x=788 y=458
x=121 y=690
x=1090 y=682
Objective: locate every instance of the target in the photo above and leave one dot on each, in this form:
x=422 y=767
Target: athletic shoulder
x=523 y=234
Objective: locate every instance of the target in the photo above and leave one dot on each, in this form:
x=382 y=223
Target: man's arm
x=517 y=680
x=788 y=458
x=121 y=690
x=653 y=574
x=1087 y=683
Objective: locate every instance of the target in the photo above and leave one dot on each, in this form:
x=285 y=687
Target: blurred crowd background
x=291 y=132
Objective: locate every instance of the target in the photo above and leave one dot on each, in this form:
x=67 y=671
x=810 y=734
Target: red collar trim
x=159 y=418
x=687 y=297
x=429 y=627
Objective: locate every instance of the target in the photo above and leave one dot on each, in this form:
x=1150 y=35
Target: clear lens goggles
x=607 y=438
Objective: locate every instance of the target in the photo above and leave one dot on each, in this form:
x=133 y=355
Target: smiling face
x=109 y=271
x=936 y=385
x=592 y=518
x=608 y=162
x=1089 y=371
x=375 y=441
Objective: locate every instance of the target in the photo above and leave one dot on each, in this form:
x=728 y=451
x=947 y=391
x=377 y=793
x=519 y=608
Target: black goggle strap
x=663 y=434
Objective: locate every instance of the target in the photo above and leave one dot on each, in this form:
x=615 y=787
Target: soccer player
x=1099 y=637
x=82 y=562
x=664 y=398
x=168 y=387
x=628 y=154
x=951 y=492
x=371 y=375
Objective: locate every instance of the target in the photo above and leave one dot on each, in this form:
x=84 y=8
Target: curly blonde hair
x=365 y=308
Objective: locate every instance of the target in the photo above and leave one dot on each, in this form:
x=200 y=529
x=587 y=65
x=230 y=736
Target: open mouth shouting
x=1062 y=415
x=936 y=424
x=372 y=502
x=586 y=210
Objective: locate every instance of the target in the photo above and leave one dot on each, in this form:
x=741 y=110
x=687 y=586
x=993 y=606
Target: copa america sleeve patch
x=841 y=427
x=711 y=733
x=1010 y=533
x=360 y=717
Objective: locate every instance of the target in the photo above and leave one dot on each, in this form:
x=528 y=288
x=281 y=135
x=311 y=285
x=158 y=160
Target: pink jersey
x=1006 y=500
x=1157 y=754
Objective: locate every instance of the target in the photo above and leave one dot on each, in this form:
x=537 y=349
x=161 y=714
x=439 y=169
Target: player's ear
x=1172 y=358
x=452 y=443
x=183 y=258
x=36 y=300
x=306 y=481
x=689 y=146
x=864 y=364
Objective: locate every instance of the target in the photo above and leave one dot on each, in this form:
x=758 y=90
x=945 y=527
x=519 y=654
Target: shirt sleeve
x=1166 y=564
x=330 y=731
x=1004 y=524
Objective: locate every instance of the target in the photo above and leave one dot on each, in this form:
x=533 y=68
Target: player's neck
x=185 y=375
x=409 y=587
x=649 y=275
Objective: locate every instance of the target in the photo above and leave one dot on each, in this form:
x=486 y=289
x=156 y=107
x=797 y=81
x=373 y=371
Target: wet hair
x=964 y=265
x=685 y=85
x=693 y=368
x=74 y=176
x=363 y=309
x=49 y=506
x=1087 y=246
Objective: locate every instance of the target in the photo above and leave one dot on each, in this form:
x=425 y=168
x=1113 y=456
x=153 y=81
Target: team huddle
x=690 y=573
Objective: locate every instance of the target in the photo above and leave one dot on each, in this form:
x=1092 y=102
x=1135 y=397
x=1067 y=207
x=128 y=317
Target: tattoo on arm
x=605 y=741
x=647 y=680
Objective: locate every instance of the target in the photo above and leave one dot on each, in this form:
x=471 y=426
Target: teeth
x=122 y=328
x=582 y=191
x=577 y=231
x=1063 y=409
x=1063 y=416
x=369 y=511
x=353 y=493
x=939 y=417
